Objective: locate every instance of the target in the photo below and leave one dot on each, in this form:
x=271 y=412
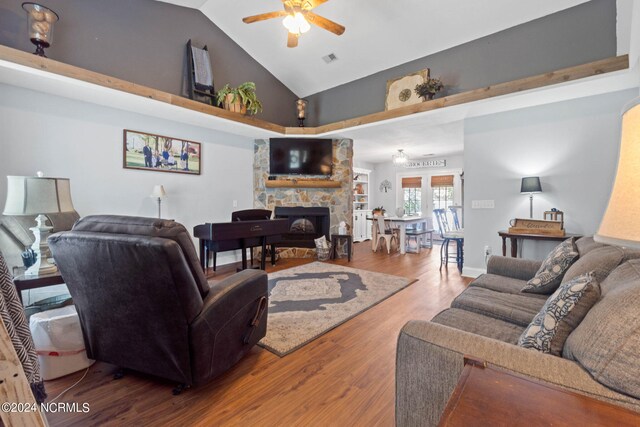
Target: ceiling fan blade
x=288 y=6
x=310 y=4
x=263 y=16
x=324 y=23
x=292 y=40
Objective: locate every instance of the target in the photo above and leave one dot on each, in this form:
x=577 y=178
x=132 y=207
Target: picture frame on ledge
x=400 y=91
x=159 y=153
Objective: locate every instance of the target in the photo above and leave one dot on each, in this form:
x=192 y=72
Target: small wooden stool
x=335 y=238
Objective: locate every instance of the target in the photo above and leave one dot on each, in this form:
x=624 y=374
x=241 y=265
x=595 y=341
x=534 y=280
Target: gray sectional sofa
x=601 y=357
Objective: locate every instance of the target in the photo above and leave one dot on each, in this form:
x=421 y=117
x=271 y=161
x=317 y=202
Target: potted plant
x=378 y=211
x=241 y=99
x=429 y=88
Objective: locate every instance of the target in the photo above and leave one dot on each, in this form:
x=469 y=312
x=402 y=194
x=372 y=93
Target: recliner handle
x=262 y=305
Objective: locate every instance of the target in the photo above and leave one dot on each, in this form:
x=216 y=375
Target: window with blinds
x=412 y=189
x=442 y=181
x=412 y=182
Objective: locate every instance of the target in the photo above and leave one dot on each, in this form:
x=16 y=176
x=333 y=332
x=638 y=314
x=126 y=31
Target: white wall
x=572 y=146
x=393 y=198
x=83 y=142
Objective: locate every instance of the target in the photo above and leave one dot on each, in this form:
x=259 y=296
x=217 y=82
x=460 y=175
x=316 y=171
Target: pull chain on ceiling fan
x=297 y=19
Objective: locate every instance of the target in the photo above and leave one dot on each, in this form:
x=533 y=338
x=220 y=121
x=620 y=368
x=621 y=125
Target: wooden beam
x=302 y=183
x=534 y=82
x=62 y=69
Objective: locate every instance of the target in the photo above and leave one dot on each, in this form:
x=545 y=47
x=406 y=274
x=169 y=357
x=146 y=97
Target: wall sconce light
x=40 y=20
x=301 y=109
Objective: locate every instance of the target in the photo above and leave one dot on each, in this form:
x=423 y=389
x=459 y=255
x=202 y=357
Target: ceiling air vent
x=330 y=58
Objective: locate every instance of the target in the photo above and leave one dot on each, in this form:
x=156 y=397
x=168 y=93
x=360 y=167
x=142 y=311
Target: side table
x=24 y=282
x=335 y=238
x=491 y=396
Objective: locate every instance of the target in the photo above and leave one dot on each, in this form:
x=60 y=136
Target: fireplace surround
x=305 y=225
x=338 y=200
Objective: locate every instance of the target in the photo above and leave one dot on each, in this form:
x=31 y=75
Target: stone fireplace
x=336 y=202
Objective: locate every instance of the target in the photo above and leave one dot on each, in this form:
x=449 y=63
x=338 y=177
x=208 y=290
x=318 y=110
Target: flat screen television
x=300 y=156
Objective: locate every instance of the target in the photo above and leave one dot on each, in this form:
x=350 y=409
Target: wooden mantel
x=26 y=59
x=302 y=183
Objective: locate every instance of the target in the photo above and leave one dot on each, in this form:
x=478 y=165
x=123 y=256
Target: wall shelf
x=302 y=183
x=23 y=69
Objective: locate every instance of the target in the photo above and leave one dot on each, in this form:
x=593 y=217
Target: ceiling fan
x=297 y=17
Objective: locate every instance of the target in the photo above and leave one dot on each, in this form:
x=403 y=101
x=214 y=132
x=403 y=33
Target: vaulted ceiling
x=379 y=33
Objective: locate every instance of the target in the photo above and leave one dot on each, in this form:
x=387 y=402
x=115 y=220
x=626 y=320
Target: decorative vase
x=234 y=106
x=430 y=96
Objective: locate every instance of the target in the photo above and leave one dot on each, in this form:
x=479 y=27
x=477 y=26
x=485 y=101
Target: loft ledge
x=266 y=128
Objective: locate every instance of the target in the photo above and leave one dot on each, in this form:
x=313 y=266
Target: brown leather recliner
x=144 y=302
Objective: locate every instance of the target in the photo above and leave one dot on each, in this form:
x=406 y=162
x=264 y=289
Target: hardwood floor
x=344 y=378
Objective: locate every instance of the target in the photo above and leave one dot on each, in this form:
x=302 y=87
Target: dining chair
x=448 y=234
x=384 y=234
x=454 y=217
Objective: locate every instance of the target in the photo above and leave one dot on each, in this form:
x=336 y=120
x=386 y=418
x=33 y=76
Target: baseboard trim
x=473 y=272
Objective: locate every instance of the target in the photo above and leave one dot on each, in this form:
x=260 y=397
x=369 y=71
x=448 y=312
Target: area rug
x=307 y=301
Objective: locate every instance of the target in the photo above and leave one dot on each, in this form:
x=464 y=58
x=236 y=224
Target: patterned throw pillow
x=561 y=314
x=550 y=273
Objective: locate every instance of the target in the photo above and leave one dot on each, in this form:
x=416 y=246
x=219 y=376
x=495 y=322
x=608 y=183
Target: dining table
x=402 y=222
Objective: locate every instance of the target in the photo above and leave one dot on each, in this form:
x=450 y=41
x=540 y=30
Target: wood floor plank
x=343 y=378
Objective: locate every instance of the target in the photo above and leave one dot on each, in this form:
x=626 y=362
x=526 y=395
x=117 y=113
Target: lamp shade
x=530 y=184
x=31 y=195
x=620 y=225
x=158 y=192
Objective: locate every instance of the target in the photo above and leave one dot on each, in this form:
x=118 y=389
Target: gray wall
x=571 y=37
x=572 y=146
x=143 y=41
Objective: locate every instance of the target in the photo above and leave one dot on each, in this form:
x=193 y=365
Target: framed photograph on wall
x=148 y=151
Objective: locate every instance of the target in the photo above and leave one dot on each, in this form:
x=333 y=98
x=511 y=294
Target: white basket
x=58 y=340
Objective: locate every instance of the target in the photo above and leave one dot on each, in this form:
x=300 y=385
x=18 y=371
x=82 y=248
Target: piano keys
x=239 y=235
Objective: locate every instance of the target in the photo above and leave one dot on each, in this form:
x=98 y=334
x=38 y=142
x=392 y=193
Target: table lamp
x=159 y=193
x=530 y=185
x=37 y=195
x=620 y=225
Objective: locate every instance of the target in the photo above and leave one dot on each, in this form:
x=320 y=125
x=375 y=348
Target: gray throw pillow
x=550 y=273
x=561 y=314
x=607 y=341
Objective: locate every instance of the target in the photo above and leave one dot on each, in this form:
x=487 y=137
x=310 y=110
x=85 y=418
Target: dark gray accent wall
x=571 y=37
x=143 y=41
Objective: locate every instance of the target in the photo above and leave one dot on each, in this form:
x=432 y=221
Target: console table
x=493 y=397
x=514 y=240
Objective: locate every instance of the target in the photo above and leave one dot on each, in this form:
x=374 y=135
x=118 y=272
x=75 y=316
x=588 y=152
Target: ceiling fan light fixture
x=296 y=23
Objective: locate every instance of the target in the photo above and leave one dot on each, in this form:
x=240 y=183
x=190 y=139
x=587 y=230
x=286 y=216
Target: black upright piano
x=239 y=235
